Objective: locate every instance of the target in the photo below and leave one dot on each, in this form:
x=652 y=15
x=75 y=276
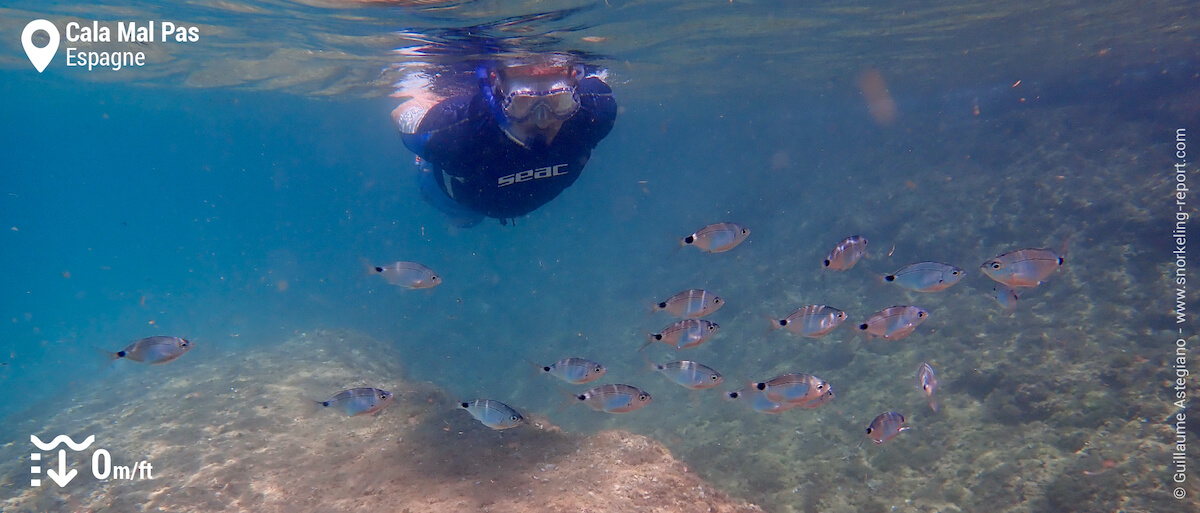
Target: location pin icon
x=40 y=57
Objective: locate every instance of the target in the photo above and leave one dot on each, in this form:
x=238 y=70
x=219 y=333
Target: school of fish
x=1012 y=271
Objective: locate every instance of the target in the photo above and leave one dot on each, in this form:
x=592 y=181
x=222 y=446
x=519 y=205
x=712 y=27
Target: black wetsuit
x=478 y=166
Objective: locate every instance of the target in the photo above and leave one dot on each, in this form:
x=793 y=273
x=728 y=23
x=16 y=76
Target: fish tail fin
x=367 y=267
x=675 y=250
x=568 y=398
x=650 y=340
x=1062 y=251
x=772 y=323
x=933 y=404
x=879 y=281
x=311 y=406
x=679 y=244
x=103 y=358
x=650 y=365
x=536 y=368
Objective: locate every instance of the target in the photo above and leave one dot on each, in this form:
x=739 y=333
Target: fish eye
x=643 y=397
x=745 y=230
x=514 y=418
x=599 y=369
x=996 y=265
x=920 y=314
x=714 y=377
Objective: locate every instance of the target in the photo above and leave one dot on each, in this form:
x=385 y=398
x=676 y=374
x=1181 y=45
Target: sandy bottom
x=241 y=436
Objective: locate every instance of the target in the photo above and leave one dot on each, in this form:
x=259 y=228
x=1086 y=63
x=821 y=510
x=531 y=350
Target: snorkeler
x=514 y=143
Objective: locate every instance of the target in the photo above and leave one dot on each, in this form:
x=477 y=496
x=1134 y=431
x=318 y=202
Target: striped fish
x=359 y=401
x=717 y=238
x=492 y=413
x=690 y=304
x=614 y=398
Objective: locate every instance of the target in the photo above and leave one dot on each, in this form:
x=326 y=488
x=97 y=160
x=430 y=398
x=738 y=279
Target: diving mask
x=539 y=97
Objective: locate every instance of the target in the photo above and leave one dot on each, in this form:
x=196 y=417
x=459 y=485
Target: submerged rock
x=235 y=436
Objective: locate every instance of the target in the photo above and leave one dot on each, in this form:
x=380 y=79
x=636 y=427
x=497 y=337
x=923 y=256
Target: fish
x=359 y=401
x=575 y=371
x=153 y=350
x=818 y=401
x=614 y=398
x=894 y=322
x=813 y=321
x=886 y=426
x=717 y=238
x=493 y=413
x=1006 y=296
x=684 y=334
x=927 y=380
x=793 y=388
x=926 y=276
x=688 y=374
x=846 y=253
x=691 y=303
x=409 y=275
x=1023 y=268
x=758 y=401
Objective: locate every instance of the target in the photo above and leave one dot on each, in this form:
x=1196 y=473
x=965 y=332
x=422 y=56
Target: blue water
x=243 y=211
